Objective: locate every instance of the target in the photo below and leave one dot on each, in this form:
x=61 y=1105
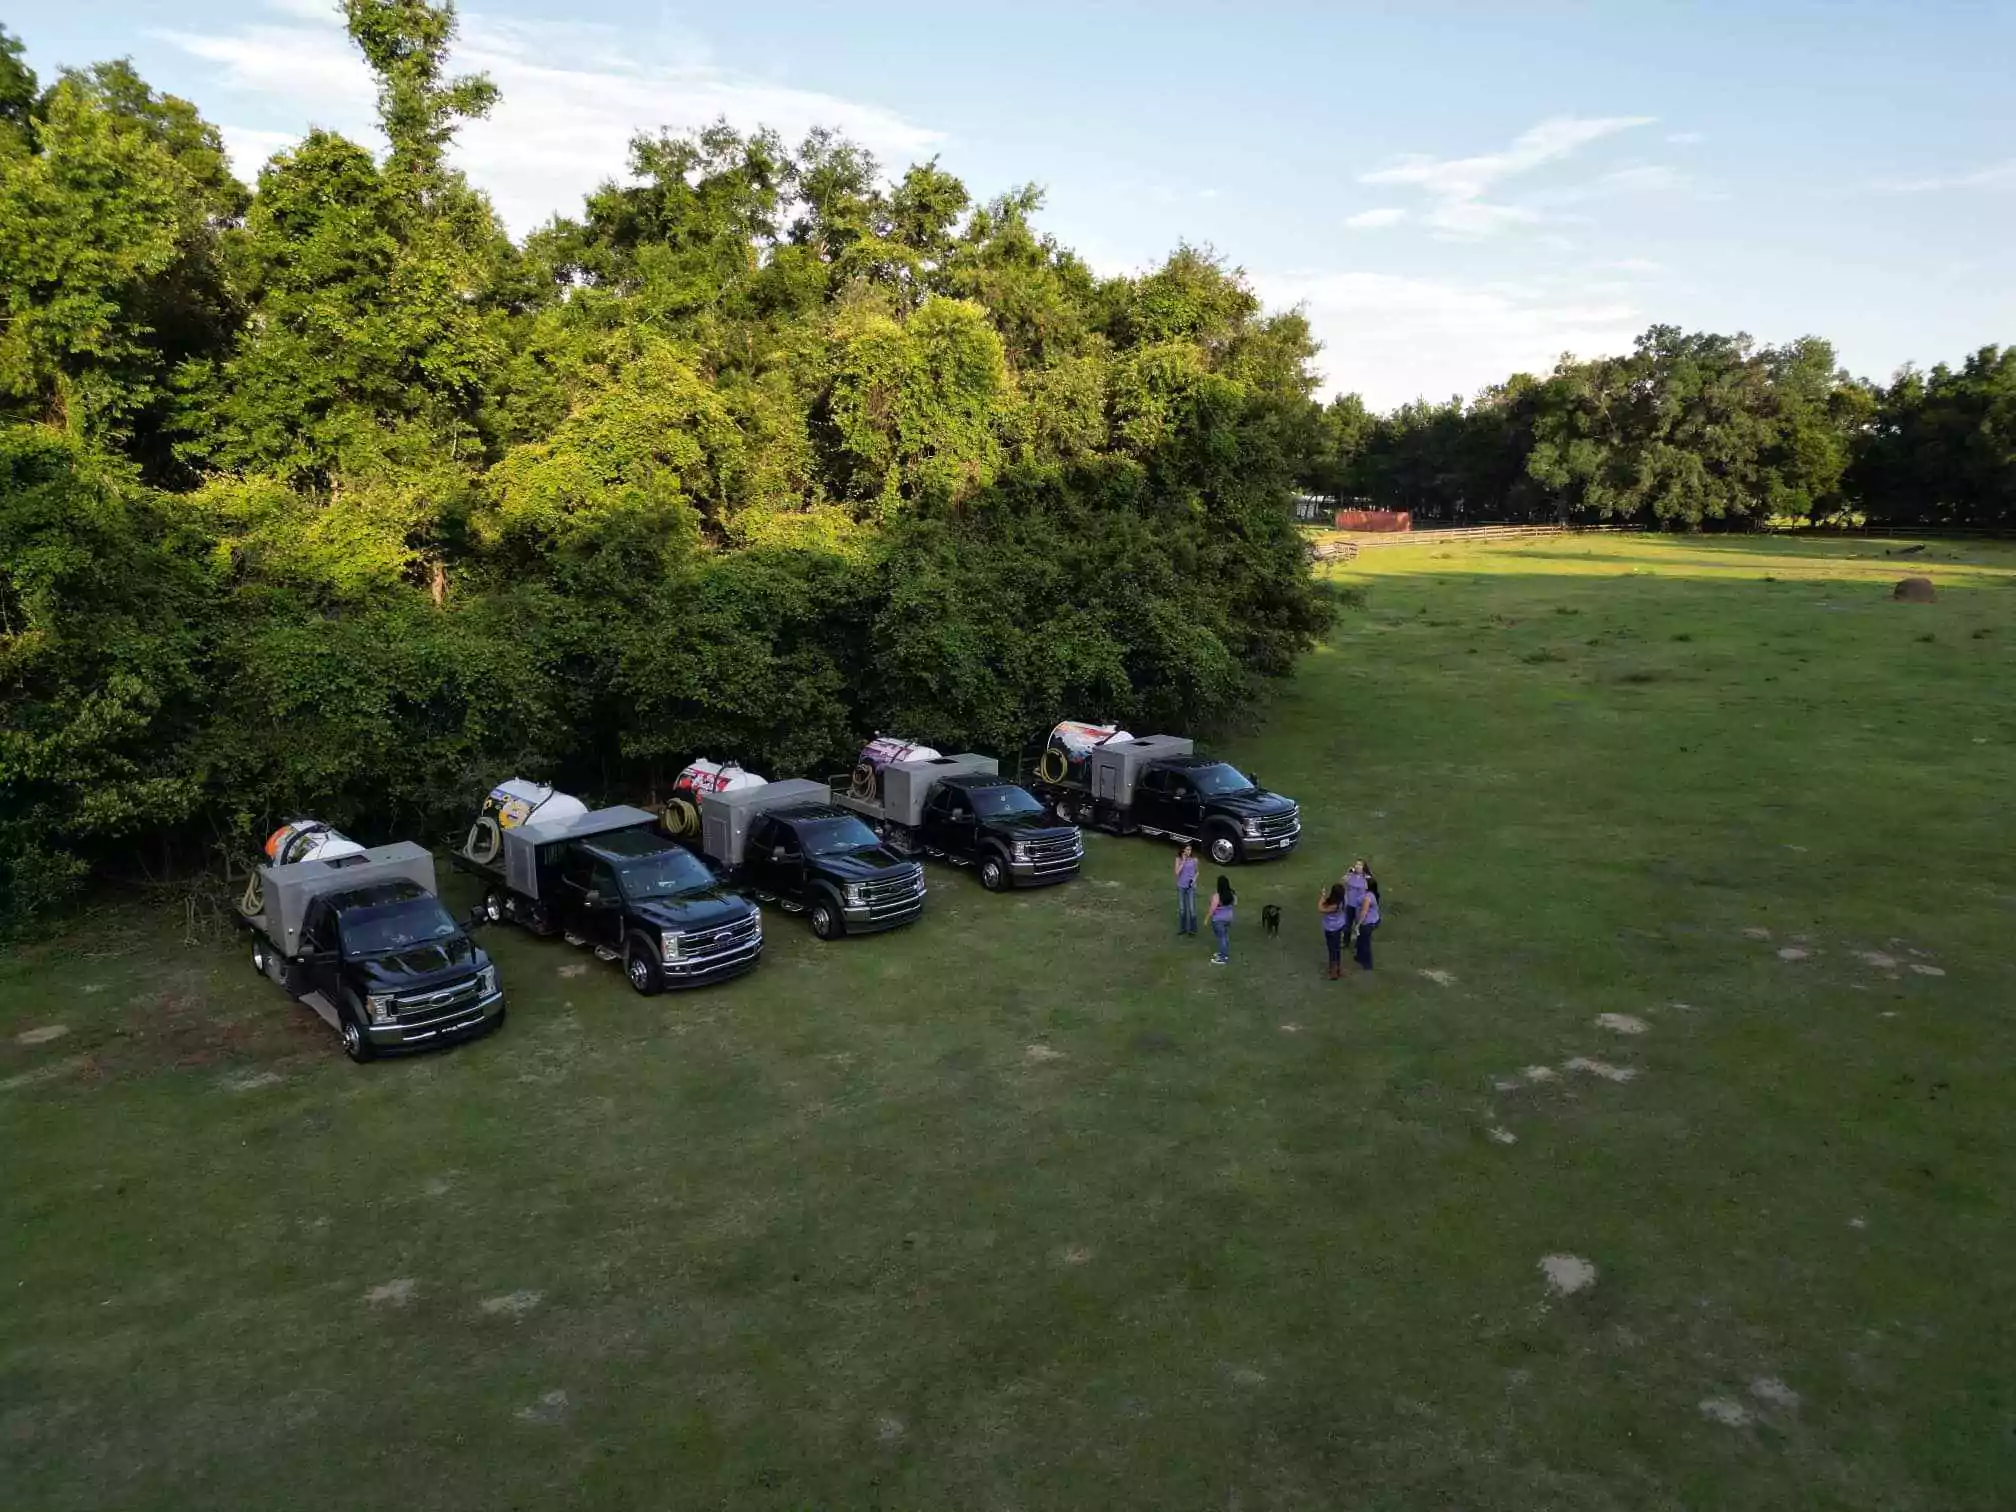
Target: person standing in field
x=1368 y=920
x=1221 y=921
x=1186 y=890
x=1354 y=890
x=1336 y=919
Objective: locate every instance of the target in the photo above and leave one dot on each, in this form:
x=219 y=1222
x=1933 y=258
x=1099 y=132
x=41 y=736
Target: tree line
x=1691 y=431
x=323 y=495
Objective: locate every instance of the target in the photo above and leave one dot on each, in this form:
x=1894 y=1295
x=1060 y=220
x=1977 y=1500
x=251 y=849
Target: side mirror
x=477 y=917
x=777 y=853
x=591 y=898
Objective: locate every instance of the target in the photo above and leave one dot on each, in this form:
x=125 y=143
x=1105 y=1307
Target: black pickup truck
x=785 y=840
x=610 y=880
x=1158 y=785
x=960 y=809
x=363 y=941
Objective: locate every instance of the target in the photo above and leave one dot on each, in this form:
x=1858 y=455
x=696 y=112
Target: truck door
x=321 y=958
x=787 y=862
x=961 y=829
x=590 y=904
x=1183 y=806
x=1151 y=798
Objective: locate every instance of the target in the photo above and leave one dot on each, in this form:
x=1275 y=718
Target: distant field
x=1664 y=1163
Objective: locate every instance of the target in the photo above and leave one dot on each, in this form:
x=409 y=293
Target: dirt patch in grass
x=1730 y=1414
x=1924 y=970
x=41 y=1035
x=1601 y=1068
x=1567 y=1274
x=511 y=1305
x=1621 y=1023
x=1776 y=1392
x=1438 y=976
x=396 y=1293
x=181 y=1028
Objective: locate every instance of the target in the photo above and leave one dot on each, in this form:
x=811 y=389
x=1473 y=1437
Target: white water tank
x=681 y=814
x=308 y=840
x=1069 y=744
x=511 y=804
x=882 y=751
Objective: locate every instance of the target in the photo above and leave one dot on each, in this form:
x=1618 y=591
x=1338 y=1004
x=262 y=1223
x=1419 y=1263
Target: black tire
x=641 y=966
x=260 y=958
x=493 y=906
x=356 y=1043
x=827 y=922
x=993 y=873
x=1225 y=848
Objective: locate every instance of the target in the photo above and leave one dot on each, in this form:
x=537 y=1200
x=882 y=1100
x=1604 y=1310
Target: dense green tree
x=1941 y=446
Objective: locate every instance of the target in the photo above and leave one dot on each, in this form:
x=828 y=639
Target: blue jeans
x=1222 y=928
x=1333 y=942
x=1364 y=951
x=1186 y=910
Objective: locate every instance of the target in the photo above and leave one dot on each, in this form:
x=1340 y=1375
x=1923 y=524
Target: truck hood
x=1029 y=827
x=703 y=908
x=1257 y=804
x=863 y=865
x=434 y=964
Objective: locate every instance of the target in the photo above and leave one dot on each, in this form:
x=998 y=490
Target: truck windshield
x=1003 y=802
x=384 y=927
x=664 y=875
x=829 y=837
x=1219 y=779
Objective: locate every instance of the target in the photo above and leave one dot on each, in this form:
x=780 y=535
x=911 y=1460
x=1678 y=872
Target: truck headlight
x=486 y=981
x=857 y=895
x=379 y=1006
x=1252 y=827
x=1021 y=852
x=672 y=942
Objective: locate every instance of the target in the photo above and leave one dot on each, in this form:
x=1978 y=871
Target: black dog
x=1270 y=918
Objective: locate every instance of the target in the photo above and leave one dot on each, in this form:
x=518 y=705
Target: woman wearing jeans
x=1368 y=920
x=1336 y=919
x=1186 y=890
x=1221 y=921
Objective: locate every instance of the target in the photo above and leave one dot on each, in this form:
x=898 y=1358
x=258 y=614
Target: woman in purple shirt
x=1354 y=888
x=1221 y=921
x=1368 y=920
x=1336 y=919
x=1186 y=890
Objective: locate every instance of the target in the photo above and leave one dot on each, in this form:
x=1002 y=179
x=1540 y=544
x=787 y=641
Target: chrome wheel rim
x=640 y=974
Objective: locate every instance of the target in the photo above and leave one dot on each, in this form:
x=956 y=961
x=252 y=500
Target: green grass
x=1030 y=1207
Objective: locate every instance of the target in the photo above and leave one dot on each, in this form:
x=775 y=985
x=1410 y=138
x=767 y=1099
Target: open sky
x=1452 y=191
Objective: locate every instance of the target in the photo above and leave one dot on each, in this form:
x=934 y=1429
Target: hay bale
x=1915 y=591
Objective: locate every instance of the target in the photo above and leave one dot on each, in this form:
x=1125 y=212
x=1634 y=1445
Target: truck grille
x=415 y=1007
x=1273 y=826
x=711 y=951
x=1056 y=853
x=898 y=893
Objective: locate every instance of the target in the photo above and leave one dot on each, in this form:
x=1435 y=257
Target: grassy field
x=1030 y=1207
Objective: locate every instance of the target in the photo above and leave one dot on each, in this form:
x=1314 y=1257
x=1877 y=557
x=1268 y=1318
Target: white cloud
x=1393 y=338
x=1646 y=178
x=1995 y=176
x=1370 y=220
x=573 y=94
x=1456 y=186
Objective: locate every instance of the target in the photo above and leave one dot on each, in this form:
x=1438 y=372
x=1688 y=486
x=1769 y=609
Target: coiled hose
x=679 y=817
x=1060 y=771
x=485 y=840
x=865 y=780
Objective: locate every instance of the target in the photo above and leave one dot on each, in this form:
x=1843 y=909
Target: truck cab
x=634 y=895
x=997 y=826
x=784 y=840
x=362 y=940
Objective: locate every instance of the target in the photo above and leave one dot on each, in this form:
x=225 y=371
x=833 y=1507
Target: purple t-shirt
x=1354 y=889
x=1371 y=914
x=1186 y=872
x=1334 y=920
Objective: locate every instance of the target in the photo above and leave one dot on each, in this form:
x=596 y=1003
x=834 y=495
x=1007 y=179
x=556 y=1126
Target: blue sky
x=1451 y=191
